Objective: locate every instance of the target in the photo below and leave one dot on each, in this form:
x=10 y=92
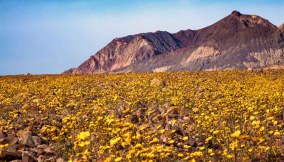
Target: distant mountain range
x=237 y=41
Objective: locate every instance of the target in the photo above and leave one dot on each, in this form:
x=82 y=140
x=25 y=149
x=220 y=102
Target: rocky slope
x=237 y=41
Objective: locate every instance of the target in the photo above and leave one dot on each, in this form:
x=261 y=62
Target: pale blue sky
x=38 y=36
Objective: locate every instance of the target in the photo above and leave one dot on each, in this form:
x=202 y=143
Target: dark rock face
x=236 y=42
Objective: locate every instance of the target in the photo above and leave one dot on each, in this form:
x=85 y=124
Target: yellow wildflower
x=216 y=132
x=208 y=139
x=230 y=156
x=234 y=145
x=114 y=141
x=118 y=159
x=180 y=155
x=276 y=133
x=83 y=135
x=252 y=118
x=236 y=134
x=171 y=141
x=195 y=110
x=186 y=146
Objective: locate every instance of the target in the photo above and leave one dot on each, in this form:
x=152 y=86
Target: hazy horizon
x=48 y=37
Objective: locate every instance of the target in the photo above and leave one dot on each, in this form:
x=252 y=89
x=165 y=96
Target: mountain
x=237 y=41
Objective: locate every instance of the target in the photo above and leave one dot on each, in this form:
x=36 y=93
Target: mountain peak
x=250 y=20
x=236 y=13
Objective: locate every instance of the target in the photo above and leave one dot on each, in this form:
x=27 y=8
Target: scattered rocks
x=9 y=140
x=37 y=151
x=3 y=141
x=48 y=150
x=16 y=161
x=26 y=147
x=13 y=140
x=156 y=82
x=60 y=160
x=2 y=134
x=37 y=140
x=43 y=146
x=192 y=142
x=27 y=157
x=12 y=150
x=28 y=141
x=22 y=134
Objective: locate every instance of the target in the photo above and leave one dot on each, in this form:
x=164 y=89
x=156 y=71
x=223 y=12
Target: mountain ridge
x=237 y=41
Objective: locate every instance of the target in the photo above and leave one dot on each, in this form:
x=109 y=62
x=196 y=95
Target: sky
x=50 y=36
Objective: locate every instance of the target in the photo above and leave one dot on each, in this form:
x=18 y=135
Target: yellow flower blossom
x=180 y=155
x=185 y=138
x=83 y=135
x=171 y=141
x=186 y=146
x=208 y=139
x=236 y=134
x=118 y=159
x=276 y=133
x=230 y=156
x=234 y=145
x=216 y=132
x=196 y=154
x=114 y=141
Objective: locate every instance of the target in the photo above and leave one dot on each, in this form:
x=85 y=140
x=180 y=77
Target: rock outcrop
x=237 y=41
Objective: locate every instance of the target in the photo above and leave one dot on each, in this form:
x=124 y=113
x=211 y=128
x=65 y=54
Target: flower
x=208 y=139
x=276 y=133
x=114 y=141
x=230 y=156
x=234 y=145
x=255 y=122
x=83 y=135
x=185 y=138
x=171 y=141
x=216 y=132
x=236 y=134
x=118 y=159
x=186 y=146
x=180 y=155
x=196 y=153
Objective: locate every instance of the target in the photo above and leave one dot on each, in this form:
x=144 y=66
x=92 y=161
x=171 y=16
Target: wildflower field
x=175 y=116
